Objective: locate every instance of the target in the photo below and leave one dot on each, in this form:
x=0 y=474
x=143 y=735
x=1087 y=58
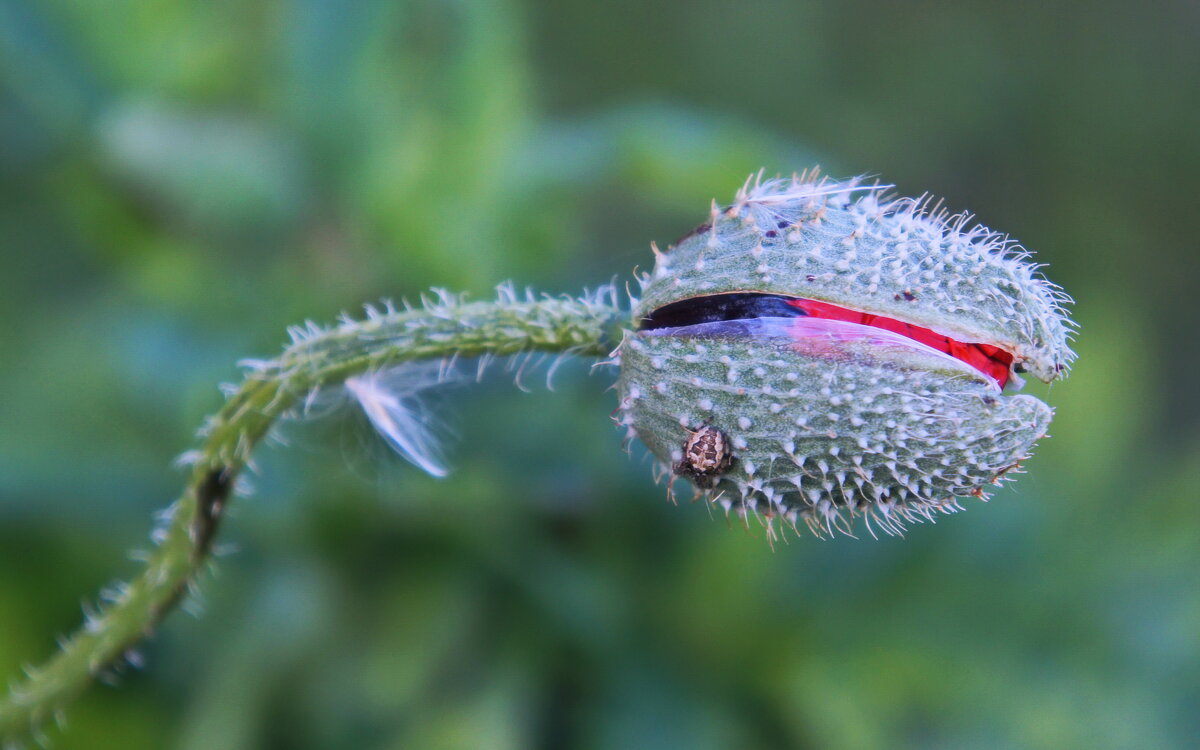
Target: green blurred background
x=181 y=180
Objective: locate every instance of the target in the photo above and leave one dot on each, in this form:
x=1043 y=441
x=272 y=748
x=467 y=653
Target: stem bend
x=443 y=326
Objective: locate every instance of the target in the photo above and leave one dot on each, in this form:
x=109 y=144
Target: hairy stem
x=444 y=327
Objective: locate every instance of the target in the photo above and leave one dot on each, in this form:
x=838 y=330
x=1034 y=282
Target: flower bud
x=847 y=352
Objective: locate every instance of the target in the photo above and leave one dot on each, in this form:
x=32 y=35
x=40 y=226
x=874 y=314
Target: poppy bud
x=851 y=350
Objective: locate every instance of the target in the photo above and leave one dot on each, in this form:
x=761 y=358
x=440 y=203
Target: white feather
x=391 y=399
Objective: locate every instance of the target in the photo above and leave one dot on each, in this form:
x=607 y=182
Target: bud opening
x=780 y=316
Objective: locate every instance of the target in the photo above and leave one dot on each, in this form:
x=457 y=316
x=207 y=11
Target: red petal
x=990 y=360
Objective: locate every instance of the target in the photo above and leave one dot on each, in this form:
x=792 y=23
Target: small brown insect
x=706 y=456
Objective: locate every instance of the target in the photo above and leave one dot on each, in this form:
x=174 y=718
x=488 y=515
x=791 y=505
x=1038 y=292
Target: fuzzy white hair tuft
x=392 y=400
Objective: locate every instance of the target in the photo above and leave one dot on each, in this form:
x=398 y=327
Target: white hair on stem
x=392 y=401
x=395 y=401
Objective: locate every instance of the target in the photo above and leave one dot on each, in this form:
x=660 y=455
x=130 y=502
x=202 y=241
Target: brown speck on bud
x=706 y=456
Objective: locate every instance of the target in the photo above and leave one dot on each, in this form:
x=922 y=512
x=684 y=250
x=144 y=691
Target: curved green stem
x=445 y=327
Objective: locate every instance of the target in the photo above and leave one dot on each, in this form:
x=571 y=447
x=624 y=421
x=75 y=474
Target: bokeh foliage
x=181 y=180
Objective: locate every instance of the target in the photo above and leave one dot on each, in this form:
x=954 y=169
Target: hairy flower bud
x=849 y=349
